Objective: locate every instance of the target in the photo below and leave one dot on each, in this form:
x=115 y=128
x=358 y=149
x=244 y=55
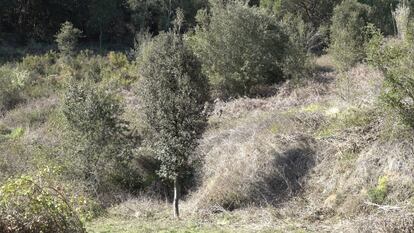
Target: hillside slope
x=323 y=155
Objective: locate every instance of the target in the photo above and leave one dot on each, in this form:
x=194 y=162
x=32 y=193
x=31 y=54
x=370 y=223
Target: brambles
x=38 y=204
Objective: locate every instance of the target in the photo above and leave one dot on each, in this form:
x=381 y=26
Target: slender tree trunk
x=100 y=37
x=176 y=198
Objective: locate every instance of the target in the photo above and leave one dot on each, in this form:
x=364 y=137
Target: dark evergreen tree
x=173 y=92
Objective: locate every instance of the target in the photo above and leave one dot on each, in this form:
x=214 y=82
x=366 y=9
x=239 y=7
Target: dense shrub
x=237 y=58
x=101 y=142
x=381 y=15
x=395 y=59
x=297 y=62
x=348 y=22
x=31 y=204
x=12 y=81
x=314 y=12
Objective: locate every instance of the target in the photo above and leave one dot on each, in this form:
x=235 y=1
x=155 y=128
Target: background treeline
x=117 y=21
x=113 y=21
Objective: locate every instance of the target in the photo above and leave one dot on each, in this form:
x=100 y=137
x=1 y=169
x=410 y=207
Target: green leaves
x=38 y=204
x=173 y=92
x=100 y=139
x=237 y=58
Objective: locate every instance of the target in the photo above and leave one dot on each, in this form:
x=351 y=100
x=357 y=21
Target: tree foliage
x=67 y=39
x=173 y=91
x=347 y=33
x=101 y=141
x=238 y=58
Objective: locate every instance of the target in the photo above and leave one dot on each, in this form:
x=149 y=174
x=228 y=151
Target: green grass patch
x=345 y=119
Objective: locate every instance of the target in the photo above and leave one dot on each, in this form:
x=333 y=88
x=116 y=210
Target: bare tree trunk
x=176 y=198
x=100 y=37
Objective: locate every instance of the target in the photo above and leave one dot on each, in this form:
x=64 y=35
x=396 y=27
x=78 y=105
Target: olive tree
x=240 y=47
x=173 y=92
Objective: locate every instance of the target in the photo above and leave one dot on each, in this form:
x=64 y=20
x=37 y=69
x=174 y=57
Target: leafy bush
x=297 y=63
x=314 y=12
x=348 y=23
x=40 y=65
x=31 y=204
x=395 y=59
x=100 y=140
x=12 y=81
x=234 y=57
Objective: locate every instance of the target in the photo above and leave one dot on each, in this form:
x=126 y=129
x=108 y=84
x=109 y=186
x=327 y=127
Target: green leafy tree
x=173 y=92
x=347 y=33
x=67 y=39
x=237 y=58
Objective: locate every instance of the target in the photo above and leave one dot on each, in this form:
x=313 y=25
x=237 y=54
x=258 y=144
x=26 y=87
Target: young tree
x=67 y=39
x=173 y=92
x=103 y=12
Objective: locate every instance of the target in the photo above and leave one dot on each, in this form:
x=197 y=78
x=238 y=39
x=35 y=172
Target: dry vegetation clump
x=141 y=207
x=388 y=222
x=260 y=151
x=332 y=140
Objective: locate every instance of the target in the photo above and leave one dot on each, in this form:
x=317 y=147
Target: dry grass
x=301 y=161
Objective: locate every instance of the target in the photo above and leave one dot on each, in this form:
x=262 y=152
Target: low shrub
x=31 y=204
x=379 y=193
